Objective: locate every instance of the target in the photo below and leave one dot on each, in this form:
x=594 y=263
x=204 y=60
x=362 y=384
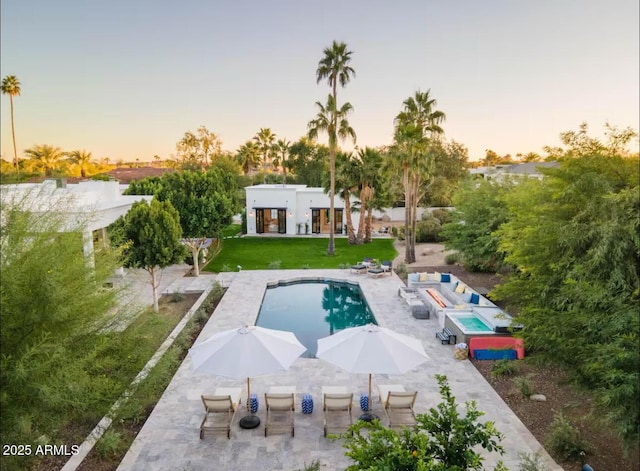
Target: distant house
x=126 y=175
x=291 y=209
x=500 y=171
x=88 y=206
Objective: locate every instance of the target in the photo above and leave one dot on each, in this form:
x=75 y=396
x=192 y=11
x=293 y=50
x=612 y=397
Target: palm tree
x=47 y=158
x=282 y=149
x=11 y=87
x=346 y=182
x=368 y=166
x=248 y=155
x=265 y=139
x=335 y=123
x=416 y=126
x=334 y=67
x=83 y=159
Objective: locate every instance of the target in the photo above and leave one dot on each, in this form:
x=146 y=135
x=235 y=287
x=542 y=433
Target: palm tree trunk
x=264 y=168
x=13 y=135
x=331 y=250
x=351 y=235
x=407 y=215
x=363 y=207
x=367 y=234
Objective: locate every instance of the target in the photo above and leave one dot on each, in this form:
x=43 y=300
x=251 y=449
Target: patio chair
x=376 y=272
x=387 y=266
x=398 y=408
x=280 y=413
x=220 y=410
x=337 y=405
x=384 y=389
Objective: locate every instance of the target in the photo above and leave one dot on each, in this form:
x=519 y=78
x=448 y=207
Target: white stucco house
x=87 y=206
x=291 y=210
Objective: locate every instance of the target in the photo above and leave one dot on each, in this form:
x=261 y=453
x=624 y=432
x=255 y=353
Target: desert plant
x=401 y=269
x=344 y=266
x=176 y=297
x=225 y=267
x=525 y=385
x=314 y=466
x=109 y=444
x=564 y=439
x=275 y=265
x=504 y=367
x=530 y=462
x=452 y=258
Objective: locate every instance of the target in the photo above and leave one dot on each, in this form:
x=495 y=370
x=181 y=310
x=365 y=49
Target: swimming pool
x=313 y=308
x=473 y=324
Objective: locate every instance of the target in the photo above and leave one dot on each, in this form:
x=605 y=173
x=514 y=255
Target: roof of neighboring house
x=127 y=175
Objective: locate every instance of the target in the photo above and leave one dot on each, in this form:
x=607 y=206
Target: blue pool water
x=313 y=309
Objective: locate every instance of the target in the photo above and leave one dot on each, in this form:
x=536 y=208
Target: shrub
x=504 y=368
x=441 y=214
x=225 y=267
x=525 y=385
x=176 y=297
x=243 y=223
x=402 y=269
x=452 y=258
x=442 y=439
x=109 y=444
x=564 y=439
x=275 y=265
x=314 y=466
x=428 y=230
x=530 y=462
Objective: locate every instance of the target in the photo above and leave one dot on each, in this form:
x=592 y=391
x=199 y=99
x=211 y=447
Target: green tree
x=346 y=183
x=150 y=236
x=82 y=158
x=335 y=68
x=206 y=203
x=451 y=161
x=11 y=87
x=442 y=440
x=309 y=161
x=480 y=210
x=50 y=301
x=46 y=158
x=417 y=129
x=335 y=123
x=573 y=239
x=209 y=144
x=265 y=138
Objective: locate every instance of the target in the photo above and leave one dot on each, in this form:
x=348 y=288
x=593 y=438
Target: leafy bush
x=525 y=385
x=243 y=224
x=176 y=297
x=564 y=439
x=441 y=439
x=275 y=265
x=504 y=368
x=401 y=269
x=226 y=267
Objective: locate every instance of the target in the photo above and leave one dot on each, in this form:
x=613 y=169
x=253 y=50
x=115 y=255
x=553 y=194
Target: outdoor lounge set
x=337 y=409
x=371 y=267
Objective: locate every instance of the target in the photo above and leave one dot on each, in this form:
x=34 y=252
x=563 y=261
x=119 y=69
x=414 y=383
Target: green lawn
x=256 y=253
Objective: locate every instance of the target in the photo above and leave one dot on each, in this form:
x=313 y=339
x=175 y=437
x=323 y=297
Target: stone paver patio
x=170 y=438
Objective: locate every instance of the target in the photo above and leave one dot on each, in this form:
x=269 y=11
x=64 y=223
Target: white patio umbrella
x=245 y=352
x=372 y=349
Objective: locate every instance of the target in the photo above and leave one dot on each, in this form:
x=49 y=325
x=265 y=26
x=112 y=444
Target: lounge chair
x=359 y=268
x=376 y=272
x=220 y=409
x=337 y=405
x=387 y=266
x=280 y=413
x=384 y=389
x=399 y=408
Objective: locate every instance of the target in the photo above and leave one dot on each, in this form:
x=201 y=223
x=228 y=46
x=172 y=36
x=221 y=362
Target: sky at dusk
x=125 y=79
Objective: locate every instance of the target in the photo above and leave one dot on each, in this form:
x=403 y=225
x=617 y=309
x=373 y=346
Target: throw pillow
x=413 y=277
x=423 y=277
x=460 y=288
x=433 y=276
x=475 y=298
x=445 y=278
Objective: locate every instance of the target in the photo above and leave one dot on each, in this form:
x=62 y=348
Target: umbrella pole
x=251 y=420
x=368 y=416
x=248 y=395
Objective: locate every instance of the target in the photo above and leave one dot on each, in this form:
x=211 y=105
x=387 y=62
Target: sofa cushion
x=475 y=298
x=413 y=277
x=445 y=278
x=460 y=288
x=433 y=276
x=422 y=277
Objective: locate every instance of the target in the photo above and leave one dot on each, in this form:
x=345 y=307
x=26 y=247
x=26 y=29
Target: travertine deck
x=170 y=438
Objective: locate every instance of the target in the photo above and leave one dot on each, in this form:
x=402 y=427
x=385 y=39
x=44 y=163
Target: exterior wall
x=298 y=201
